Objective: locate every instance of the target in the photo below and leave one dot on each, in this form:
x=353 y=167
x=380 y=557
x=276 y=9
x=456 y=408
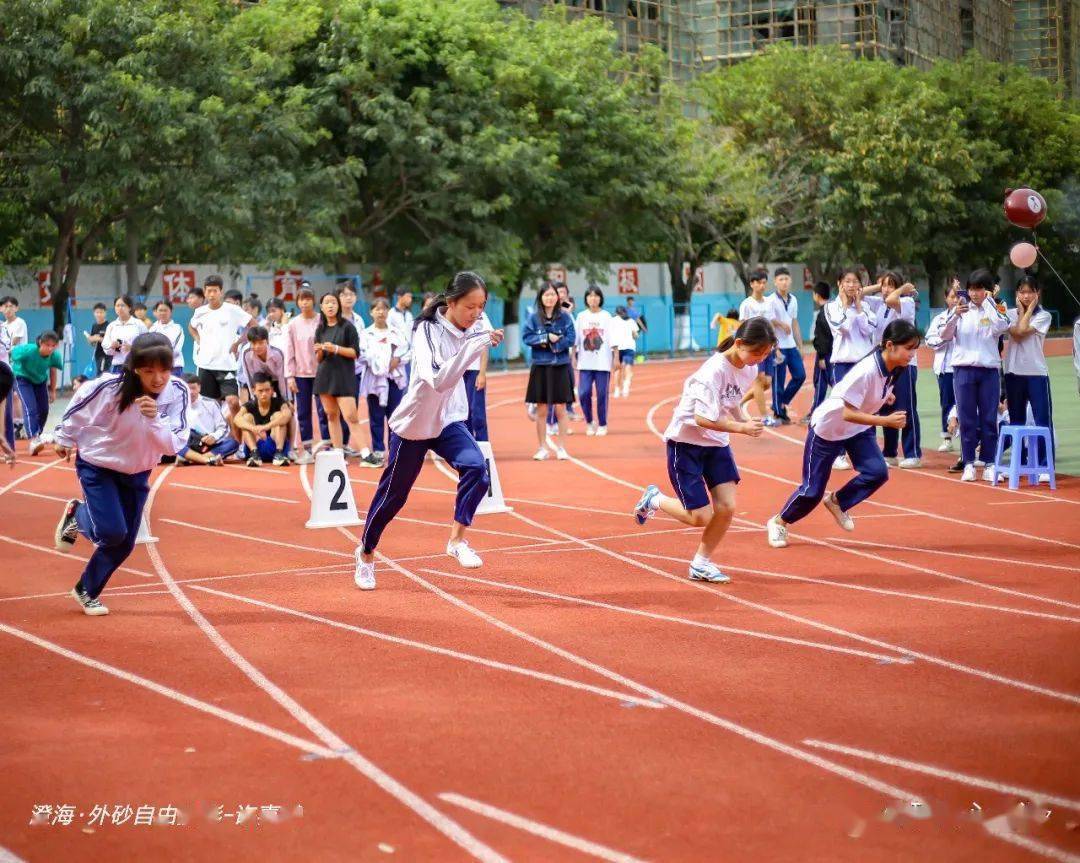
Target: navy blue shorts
x=626 y=357
x=694 y=469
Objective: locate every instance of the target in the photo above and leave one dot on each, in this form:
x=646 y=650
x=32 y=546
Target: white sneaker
x=1044 y=477
x=304 y=458
x=841 y=463
x=969 y=473
x=842 y=518
x=777 y=532
x=615 y=393
x=892 y=461
x=36 y=446
x=990 y=473
x=365 y=573
x=910 y=463
x=464 y=555
x=540 y=454
x=590 y=430
x=561 y=454
x=602 y=431
x=980 y=463
x=946 y=445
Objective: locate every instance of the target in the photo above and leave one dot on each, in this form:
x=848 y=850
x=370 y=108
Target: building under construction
x=697 y=35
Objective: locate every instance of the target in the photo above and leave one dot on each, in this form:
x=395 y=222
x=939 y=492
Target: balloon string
x=1056 y=273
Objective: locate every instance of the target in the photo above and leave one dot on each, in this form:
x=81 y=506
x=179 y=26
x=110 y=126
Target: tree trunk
x=155 y=268
x=131 y=240
x=680 y=292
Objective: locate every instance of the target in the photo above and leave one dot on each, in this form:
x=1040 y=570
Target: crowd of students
x=262 y=380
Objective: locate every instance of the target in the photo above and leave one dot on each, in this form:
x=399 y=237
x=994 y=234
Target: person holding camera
x=549 y=331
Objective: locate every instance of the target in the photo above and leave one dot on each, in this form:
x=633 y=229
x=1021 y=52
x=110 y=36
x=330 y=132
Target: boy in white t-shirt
x=215 y=327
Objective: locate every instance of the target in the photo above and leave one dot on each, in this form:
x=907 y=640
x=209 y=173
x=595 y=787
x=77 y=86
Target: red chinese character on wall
x=286 y=283
x=44 y=297
x=377 y=287
x=628 y=280
x=176 y=283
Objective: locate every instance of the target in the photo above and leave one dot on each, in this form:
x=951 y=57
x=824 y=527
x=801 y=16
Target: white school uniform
x=763 y=308
x=401 y=320
x=787 y=313
x=279 y=335
x=1026 y=356
x=624 y=333
x=441 y=353
x=218 y=330
x=942 y=349
x=207 y=418
x=866 y=388
x=175 y=334
x=5 y=346
x=124 y=331
x=16 y=330
x=378 y=347
x=974 y=335
x=853 y=331
x=595 y=340
x=715 y=390
x=125 y=442
x=886 y=314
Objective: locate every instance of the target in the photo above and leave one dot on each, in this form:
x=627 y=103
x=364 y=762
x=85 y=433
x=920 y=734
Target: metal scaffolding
x=696 y=35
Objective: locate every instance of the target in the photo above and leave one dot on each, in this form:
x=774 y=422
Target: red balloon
x=1025 y=208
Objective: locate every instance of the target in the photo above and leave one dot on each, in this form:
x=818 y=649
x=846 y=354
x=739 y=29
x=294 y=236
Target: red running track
x=909 y=691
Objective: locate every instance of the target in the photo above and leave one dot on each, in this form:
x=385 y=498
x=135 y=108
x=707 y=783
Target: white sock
x=654 y=504
x=701 y=560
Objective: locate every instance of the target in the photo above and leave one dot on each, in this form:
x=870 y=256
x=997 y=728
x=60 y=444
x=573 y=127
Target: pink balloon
x=1023 y=255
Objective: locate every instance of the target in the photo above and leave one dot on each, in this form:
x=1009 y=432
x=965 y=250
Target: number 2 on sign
x=338 y=476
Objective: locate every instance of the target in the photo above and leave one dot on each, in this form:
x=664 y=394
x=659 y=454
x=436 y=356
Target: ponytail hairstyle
x=461 y=285
x=901 y=332
x=753 y=332
x=147 y=350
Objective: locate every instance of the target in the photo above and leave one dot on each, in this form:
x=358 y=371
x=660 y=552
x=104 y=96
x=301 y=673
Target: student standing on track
x=96 y=336
x=120 y=333
x=216 y=327
x=624 y=333
x=845 y=422
x=757 y=305
x=943 y=363
x=385 y=350
x=476 y=389
x=596 y=359
x=120 y=426
x=549 y=331
x=974 y=327
x=300 y=367
x=786 y=325
x=823 y=341
x=700 y=462
x=1027 y=378
x=172 y=331
x=447 y=337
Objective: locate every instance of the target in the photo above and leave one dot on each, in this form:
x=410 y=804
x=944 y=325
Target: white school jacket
x=853 y=331
x=125 y=442
x=942 y=349
x=714 y=391
x=1025 y=356
x=866 y=388
x=975 y=334
x=441 y=354
x=206 y=418
x=175 y=334
x=126 y=332
x=886 y=314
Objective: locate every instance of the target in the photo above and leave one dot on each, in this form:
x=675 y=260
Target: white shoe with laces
x=777 y=532
x=969 y=473
x=990 y=474
x=464 y=555
x=561 y=454
x=892 y=461
x=1044 y=477
x=910 y=463
x=540 y=454
x=841 y=463
x=590 y=430
x=842 y=518
x=365 y=573
x=946 y=445
x=602 y=431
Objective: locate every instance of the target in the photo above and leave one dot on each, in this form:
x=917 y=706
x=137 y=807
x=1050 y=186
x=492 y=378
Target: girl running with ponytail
x=701 y=466
x=446 y=338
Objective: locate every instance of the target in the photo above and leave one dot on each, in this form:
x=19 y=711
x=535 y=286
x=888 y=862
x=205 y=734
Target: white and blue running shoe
x=646 y=507
x=708 y=572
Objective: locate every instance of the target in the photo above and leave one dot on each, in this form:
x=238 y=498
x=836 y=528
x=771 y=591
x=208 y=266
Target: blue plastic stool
x=1024 y=460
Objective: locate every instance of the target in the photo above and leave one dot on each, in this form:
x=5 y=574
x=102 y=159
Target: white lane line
x=43 y=496
x=235 y=493
x=67 y=555
x=260 y=540
x=442 y=651
x=1000 y=828
x=945 y=553
x=685 y=621
x=879 y=590
x=175 y=695
x=889 y=791
x=1016 y=502
x=420 y=807
x=876 y=557
x=21 y=479
x=1038 y=797
x=926 y=657
x=560 y=837
x=9 y=856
